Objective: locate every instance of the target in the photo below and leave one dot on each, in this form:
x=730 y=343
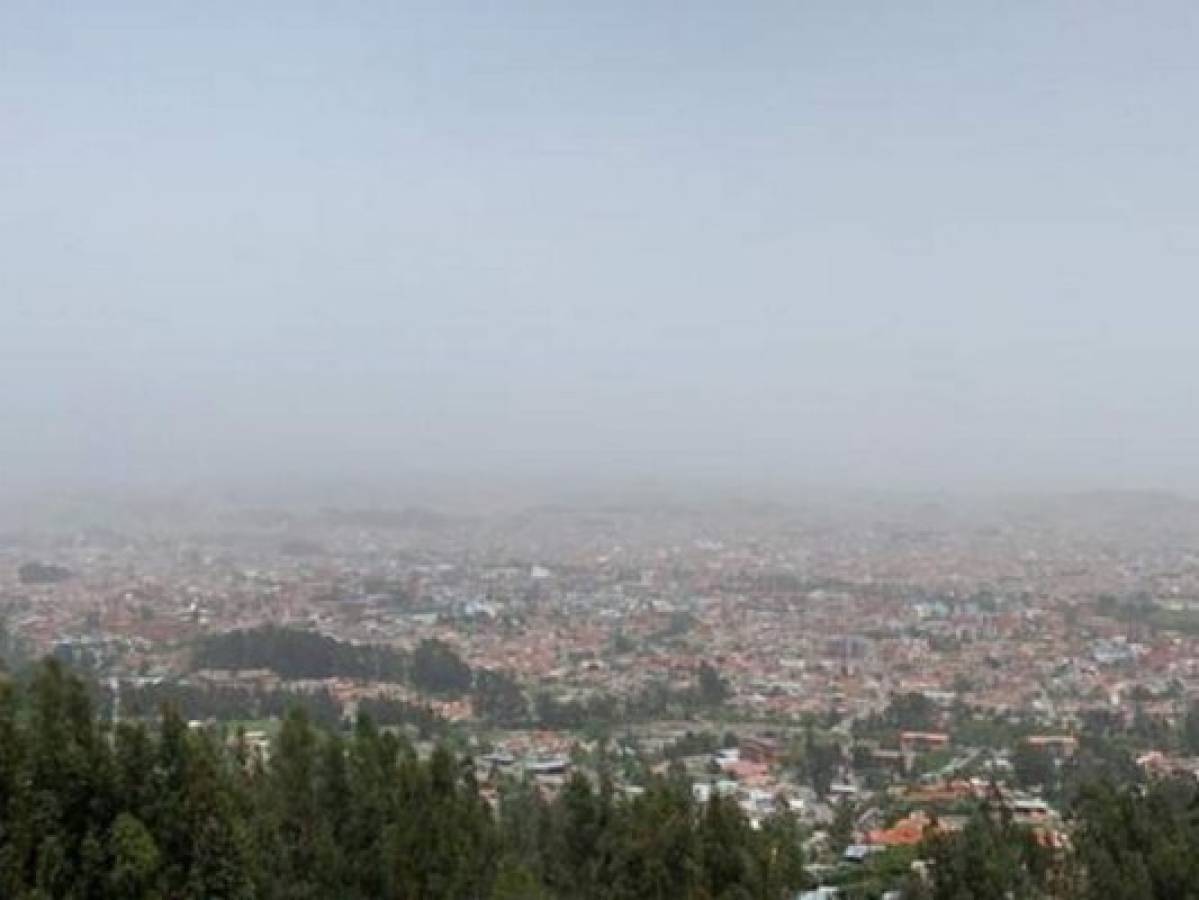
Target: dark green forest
x=155 y=809
x=294 y=653
x=166 y=811
x=436 y=670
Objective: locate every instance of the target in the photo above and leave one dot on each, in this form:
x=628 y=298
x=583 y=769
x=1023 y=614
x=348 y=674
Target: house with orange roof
x=907 y=832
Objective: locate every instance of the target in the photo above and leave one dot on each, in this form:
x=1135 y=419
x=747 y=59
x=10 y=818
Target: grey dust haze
x=863 y=245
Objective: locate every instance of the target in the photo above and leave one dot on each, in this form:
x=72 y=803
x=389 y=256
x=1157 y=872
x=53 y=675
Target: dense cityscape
x=599 y=451
x=870 y=672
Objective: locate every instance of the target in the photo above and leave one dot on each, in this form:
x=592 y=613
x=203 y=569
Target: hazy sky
x=870 y=243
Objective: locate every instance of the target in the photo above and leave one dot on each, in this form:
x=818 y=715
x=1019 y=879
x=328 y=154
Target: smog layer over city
x=599 y=450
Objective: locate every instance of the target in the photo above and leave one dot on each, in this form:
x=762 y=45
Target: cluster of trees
x=293 y=653
x=224 y=703
x=706 y=693
x=1134 y=843
x=1033 y=767
x=42 y=573
x=911 y=711
x=711 y=688
x=815 y=759
x=680 y=624
x=1142 y=610
x=12 y=648
x=168 y=811
x=390 y=712
x=87 y=811
x=594 y=711
x=499 y=699
x=990 y=857
x=660 y=844
x=1128 y=843
x=1106 y=752
x=657 y=700
x=436 y=668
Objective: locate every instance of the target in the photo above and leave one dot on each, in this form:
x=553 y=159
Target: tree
x=579 y=823
x=1033 y=766
x=1133 y=845
x=778 y=858
x=294 y=653
x=1190 y=730
x=841 y=831
x=160 y=810
x=12 y=649
x=821 y=761
x=713 y=688
x=724 y=847
x=296 y=819
x=515 y=881
x=438 y=669
x=135 y=860
x=990 y=857
x=912 y=711
x=499 y=698
x=42 y=573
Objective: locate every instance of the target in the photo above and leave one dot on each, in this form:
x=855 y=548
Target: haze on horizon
x=881 y=245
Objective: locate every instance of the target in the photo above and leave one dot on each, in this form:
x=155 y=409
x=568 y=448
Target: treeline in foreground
x=173 y=812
